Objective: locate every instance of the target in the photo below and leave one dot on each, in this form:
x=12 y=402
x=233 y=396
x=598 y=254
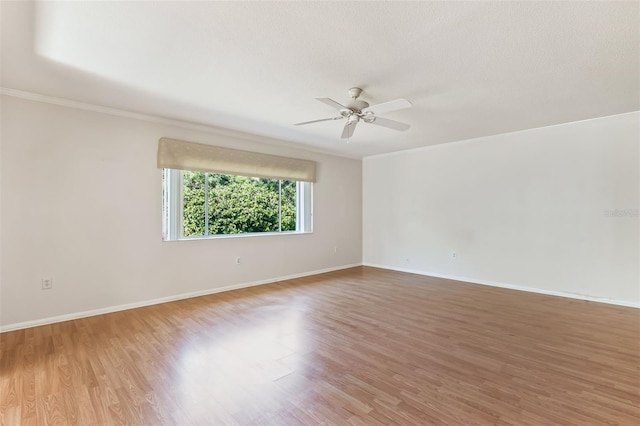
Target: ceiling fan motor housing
x=357 y=106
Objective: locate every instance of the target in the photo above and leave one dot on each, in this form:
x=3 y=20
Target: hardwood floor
x=361 y=346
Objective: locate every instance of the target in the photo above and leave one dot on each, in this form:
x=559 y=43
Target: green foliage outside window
x=237 y=204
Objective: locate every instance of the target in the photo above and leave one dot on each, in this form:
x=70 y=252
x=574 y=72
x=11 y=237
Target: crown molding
x=480 y=138
x=220 y=131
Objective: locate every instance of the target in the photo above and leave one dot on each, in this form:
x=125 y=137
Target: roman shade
x=181 y=155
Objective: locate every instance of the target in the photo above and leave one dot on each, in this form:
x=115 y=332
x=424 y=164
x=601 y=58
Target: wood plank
x=362 y=346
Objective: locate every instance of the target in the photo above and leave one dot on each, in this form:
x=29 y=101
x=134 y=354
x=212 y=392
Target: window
x=204 y=204
x=210 y=191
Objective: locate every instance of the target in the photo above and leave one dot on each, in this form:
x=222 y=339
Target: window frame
x=173 y=210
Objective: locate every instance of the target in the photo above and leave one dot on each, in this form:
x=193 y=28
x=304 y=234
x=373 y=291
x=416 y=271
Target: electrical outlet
x=237 y=260
x=47 y=284
x=335 y=249
x=454 y=255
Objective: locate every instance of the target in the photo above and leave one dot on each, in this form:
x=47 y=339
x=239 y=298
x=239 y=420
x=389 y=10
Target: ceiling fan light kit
x=355 y=110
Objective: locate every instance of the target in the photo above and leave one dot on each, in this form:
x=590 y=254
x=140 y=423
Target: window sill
x=245 y=235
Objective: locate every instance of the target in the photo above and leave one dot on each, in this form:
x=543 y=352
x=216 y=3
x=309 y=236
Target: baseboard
x=110 y=309
x=510 y=286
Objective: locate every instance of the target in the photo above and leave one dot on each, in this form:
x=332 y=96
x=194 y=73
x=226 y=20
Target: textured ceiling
x=470 y=69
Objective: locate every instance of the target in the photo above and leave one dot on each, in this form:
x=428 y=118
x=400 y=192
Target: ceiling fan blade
x=331 y=103
x=392 y=124
x=388 y=106
x=349 y=127
x=317 y=121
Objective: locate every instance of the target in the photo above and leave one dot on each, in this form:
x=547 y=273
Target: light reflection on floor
x=230 y=363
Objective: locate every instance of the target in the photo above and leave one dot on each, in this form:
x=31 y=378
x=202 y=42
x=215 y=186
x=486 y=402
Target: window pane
x=239 y=204
x=193 y=204
x=289 y=198
x=165 y=204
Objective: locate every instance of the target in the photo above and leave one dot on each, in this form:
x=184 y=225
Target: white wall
x=81 y=203
x=524 y=209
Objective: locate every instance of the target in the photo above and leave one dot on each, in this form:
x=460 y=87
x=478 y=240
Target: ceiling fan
x=356 y=110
